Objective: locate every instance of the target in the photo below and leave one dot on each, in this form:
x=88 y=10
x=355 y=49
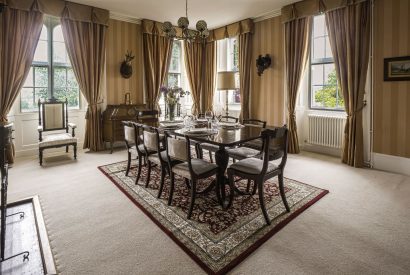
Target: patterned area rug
x=216 y=239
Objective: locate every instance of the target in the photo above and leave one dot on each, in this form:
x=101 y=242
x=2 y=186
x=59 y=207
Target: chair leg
x=248 y=186
x=128 y=164
x=75 y=151
x=193 y=194
x=161 y=185
x=171 y=188
x=262 y=202
x=40 y=155
x=210 y=156
x=282 y=192
x=231 y=187
x=66 y=149
x=139 y=169
x=187 y=183
x=255 y=186
x=148 y=173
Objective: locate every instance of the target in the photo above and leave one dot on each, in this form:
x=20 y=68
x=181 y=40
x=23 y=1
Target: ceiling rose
x=201 y=31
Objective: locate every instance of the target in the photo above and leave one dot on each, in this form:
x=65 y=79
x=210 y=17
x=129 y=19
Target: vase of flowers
x=171 y=98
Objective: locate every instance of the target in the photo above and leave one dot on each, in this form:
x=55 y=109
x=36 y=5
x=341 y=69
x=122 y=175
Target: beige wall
x=123 y=36
x=267 y=95
x=391 y=99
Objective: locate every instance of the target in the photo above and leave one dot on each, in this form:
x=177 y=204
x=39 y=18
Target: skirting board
x=320 y=149
x=53 y=151
x=390 y=163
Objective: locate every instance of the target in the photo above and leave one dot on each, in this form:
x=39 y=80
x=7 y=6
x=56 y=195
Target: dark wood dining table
x=223 y=138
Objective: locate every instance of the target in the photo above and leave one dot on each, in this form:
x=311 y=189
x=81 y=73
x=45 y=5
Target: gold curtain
x=245 y=60
x=349 y=35
x=157 y=55
x=61 y=8
x=19 y=34
x=308 y=8
x=209 y=76
x=231 y=30
x=194 y=57
x=297 y=45
x=86 y=43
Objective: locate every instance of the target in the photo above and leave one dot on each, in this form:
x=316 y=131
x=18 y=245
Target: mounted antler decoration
x=262 y=63
x=126 y=67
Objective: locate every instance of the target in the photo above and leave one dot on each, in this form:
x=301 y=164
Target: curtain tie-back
x=351 y=114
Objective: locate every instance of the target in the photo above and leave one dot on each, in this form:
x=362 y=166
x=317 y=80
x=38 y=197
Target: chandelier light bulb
x=167 y=26
x=201 y=25
x=183 y=22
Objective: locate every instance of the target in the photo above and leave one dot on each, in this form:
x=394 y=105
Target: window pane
x=318 y=48
x=173 y=80
x=71 y=80
x=316 y=99
x=175 y=65
x=41 y=54
x=59 y=53
x=328 y=53
x=317 y=74
x=41 y=93
x=58 y=34
x=319 y=26
x=330 y=74
x=41 y=76
x=60 y=80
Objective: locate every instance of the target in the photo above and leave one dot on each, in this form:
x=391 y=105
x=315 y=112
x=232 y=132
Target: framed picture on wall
x=397 y=69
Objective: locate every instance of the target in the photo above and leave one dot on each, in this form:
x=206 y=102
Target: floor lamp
x=226 y=81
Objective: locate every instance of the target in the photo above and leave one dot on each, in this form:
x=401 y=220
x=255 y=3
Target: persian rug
x=214 y=238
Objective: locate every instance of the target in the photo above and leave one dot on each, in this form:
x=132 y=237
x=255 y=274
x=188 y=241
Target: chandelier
x=201 y=31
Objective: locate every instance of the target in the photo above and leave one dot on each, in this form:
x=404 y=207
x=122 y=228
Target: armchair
x=53 y=118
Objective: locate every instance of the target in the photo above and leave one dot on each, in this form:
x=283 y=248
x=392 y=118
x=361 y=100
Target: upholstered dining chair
x=257 y=143
x=130 y=143
x=142 y=152
x=260 y=170
x=157 y=155
x=192 y=169
x=53 y=119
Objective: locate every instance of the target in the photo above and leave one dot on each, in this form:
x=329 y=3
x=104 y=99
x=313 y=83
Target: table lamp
x=226 y=81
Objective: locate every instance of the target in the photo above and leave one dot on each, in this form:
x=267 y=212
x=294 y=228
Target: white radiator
x=326 y=130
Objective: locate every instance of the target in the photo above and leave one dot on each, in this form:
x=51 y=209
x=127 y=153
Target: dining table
x=223 y=137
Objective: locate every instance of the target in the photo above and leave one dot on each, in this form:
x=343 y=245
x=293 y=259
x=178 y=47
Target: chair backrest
x=228 y=119
x=129 y=135
x=150 y=138
x=53 y=115
x=254 y=122
x=275 y=144
x=178 y=148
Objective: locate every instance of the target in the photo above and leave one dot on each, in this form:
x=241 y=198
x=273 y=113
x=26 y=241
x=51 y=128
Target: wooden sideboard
x=113 y=116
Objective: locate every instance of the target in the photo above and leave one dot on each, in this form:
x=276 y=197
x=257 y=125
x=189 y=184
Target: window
x=228 y=60
x=177 y=77
x=324 y=89
x=51 y=74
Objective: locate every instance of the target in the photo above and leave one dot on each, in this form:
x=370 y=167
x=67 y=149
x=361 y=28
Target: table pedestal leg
x=222 y=159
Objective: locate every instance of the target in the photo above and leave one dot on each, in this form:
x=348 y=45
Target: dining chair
x=257 y=143
x=152 y=143
x=260 y=170
x=129 y=138
x=142 y=152
x=191 y=169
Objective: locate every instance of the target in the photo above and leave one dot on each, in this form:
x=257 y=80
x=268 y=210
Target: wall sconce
x=262 y=63
x=126 y=66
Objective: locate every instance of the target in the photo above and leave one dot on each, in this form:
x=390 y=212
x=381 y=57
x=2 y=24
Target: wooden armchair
x=52 y=117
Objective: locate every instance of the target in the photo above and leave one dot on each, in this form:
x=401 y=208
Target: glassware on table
x=188 y=122
x=215 y=125
x=209 y=115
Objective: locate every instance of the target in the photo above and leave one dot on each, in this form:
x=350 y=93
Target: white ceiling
x=215 y=12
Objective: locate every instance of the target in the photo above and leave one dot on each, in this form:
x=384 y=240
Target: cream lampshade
x=226 y=81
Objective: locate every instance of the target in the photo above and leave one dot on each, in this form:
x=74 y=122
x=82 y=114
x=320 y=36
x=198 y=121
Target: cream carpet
x=361 y=227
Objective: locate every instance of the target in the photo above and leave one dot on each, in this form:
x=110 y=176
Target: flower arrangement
x=172 y=94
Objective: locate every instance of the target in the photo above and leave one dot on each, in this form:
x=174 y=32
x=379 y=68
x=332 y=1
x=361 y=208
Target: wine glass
x=208 y=116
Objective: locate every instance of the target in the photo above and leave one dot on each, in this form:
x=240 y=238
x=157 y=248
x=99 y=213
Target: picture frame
x=397 y=69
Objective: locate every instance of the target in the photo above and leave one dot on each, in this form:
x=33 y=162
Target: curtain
x=157 y=56
x=86 y=43
x=209 y=76
x=349 y=34
x=245 y=60
x=194 y=56
x=19 y=34
x=297 y=44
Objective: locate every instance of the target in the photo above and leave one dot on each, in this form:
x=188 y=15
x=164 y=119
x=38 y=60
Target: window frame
x=50 y=23
x=319 y=61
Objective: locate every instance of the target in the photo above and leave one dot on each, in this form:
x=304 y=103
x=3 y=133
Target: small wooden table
x=224 y=138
